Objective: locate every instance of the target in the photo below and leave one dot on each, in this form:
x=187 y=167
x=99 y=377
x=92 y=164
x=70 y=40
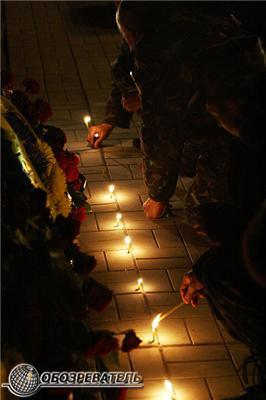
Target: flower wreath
x=36 y=158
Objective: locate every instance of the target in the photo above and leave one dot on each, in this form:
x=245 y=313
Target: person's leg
x=210 y=184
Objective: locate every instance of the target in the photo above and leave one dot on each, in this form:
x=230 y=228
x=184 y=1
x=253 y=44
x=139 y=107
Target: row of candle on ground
x=159 y=317
x=128 y=242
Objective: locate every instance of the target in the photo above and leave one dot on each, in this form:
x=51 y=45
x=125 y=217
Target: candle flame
x=128 y=240
x=156 y=322
x=87 y=119
x=111 y=188
x=140 y=281
x=118 y=217
x=168 y=386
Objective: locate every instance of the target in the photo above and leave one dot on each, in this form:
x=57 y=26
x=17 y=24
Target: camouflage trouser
x=210 y=183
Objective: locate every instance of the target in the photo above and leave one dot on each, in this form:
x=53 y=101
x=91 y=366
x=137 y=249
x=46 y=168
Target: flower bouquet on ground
x=48 y=294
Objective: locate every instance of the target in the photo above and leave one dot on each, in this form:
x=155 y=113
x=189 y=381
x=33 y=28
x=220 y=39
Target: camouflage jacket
x=164 y=59
x=115 y=114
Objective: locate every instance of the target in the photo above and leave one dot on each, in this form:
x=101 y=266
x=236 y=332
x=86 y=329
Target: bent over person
x=232 y=280
x=162 y=40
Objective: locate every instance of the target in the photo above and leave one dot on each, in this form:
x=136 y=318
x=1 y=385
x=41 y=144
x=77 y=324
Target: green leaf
x=87 y=206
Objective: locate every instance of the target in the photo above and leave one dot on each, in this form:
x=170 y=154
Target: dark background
x=252 y=14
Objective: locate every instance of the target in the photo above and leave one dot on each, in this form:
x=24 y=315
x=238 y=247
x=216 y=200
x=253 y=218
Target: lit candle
x=140 y=283
x=95 y=137
x=155 y=322
x=154 y=325
x=134 y=80
x=128 y=242
x=87 y=120
x=118 y=219
x=169 y=388
x=111 y=190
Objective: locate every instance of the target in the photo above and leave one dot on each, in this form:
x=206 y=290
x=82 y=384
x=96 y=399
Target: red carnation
x=7 y=80
x=79 y=214
x=130 y=342
x=101 y=343
x=62 y=159
x=68 y=161
x=97 y=296
x=31 y=86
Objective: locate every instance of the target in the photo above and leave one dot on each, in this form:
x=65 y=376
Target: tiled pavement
x=71 y=61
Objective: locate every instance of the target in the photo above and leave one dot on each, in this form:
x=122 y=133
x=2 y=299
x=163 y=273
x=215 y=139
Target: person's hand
x=103 y=131
x=191 y=289
x=154 y=209
x=131 y=101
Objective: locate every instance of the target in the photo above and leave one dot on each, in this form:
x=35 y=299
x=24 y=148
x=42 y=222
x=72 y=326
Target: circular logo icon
x=23 y=380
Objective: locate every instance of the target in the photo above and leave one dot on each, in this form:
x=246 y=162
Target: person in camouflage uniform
x=232 y=280
x=158 y=58
x=117 y=112
x=233 y=67
x=163 y=55
x=123 y=100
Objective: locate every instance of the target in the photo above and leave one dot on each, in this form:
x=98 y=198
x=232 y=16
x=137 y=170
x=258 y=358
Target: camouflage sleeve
x=115 y=114
x=161 y=138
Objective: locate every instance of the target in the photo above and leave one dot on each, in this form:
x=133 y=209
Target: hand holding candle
x=97 y=133
x=87 y=120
